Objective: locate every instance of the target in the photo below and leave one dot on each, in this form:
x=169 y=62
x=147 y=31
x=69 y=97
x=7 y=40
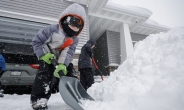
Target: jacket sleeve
x=89 y=50
x=66 y=56
x=40 y=38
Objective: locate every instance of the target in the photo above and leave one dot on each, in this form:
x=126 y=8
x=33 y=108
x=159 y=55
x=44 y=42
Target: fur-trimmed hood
x=74 y=10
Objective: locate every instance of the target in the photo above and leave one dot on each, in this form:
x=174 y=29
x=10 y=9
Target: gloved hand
x=47 y=58
x=60 y=68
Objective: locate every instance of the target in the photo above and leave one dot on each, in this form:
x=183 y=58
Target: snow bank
x=150 y=79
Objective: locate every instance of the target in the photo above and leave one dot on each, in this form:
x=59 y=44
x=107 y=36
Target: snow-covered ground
x=151 y=79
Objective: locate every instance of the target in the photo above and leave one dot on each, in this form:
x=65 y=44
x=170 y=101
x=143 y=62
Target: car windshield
x=20 y=59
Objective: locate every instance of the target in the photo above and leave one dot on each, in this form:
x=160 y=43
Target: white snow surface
x=152 y=78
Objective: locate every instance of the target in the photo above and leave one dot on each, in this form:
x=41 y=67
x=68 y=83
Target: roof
x=102 y=15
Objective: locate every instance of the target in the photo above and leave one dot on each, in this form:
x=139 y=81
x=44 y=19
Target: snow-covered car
x=20 y=72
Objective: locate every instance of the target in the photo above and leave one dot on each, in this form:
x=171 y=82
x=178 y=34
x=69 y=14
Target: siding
x=107 y=51
x=113 y=42
x=16 y=31
x=50 y=9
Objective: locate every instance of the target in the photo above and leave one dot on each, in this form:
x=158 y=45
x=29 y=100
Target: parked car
x=20 y=73
x=15 y=44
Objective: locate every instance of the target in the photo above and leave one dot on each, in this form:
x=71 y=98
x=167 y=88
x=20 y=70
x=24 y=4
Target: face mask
x=68 y=31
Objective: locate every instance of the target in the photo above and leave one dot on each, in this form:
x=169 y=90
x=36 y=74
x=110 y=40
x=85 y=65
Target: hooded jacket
x=86 y=55
x=55 y=38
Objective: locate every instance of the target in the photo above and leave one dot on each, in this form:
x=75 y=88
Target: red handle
x=95 y=63
x=97 y=68
x=102 y=77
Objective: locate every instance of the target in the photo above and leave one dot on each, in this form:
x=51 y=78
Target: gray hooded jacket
x=54 y=37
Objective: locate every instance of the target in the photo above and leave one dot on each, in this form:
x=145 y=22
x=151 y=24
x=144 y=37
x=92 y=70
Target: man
x=2 y=69
x=85 y=64
x=62 y=40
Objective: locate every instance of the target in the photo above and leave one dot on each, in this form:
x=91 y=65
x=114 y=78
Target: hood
x=92 y=42
x=74 y=10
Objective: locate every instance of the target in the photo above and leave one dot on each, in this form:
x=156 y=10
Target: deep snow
x=152 y=78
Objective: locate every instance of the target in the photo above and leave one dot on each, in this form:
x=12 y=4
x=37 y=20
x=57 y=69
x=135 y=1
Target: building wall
x=21 y=13
x=107 y=50
x=113 y=43
x=137 y=37
x=101 y=54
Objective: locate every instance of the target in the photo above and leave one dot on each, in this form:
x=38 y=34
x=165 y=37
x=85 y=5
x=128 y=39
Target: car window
x=20 y=58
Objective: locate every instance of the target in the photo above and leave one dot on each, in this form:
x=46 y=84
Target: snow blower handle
x=53 y=61
x=97 y=68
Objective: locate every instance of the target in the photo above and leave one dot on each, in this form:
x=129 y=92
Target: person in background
x=2 y=69
x=85 y=64
x=61 y=39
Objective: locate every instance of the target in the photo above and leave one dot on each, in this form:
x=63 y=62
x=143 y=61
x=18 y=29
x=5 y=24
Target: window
x=20 y=59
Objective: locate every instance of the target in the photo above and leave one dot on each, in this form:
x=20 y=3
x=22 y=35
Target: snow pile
x=151 y=79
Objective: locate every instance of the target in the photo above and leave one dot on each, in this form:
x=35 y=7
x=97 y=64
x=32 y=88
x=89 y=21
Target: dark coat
x=86 y=55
